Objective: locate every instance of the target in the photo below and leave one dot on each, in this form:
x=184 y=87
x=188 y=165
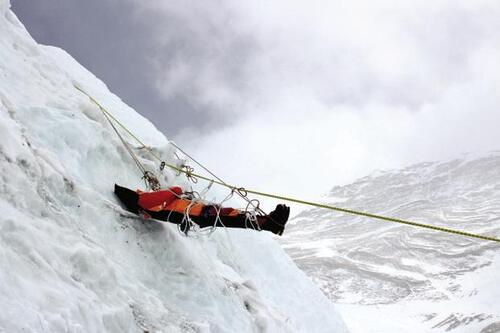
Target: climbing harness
x=243 y=192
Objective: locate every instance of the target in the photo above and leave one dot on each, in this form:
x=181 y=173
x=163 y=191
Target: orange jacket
x=169 y=200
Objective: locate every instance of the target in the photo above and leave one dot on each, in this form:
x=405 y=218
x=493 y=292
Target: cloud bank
x=295 y=97
x=318 y=93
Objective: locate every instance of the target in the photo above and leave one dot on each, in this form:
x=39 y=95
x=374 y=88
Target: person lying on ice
x=169 y=205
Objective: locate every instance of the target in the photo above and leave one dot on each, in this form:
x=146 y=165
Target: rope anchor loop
x=255 y=203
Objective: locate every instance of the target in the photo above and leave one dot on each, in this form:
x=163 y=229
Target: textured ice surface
x=72 y=261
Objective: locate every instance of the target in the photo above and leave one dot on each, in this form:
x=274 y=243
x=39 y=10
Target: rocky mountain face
x=386 y=276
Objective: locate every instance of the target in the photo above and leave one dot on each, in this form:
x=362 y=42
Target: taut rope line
x=245 y=191
x=188 y=172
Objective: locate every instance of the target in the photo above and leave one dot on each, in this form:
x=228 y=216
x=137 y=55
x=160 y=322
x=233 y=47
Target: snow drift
x=71 y=261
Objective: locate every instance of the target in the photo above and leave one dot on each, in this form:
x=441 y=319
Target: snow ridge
x=73 y=261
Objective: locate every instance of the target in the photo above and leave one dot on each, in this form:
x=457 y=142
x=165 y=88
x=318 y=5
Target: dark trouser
x=205 y=220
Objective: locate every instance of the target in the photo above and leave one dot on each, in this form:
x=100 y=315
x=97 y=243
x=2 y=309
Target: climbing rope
x=150 y=179
x=243 y=192
x=240 y=191
x=188 y=171
x=354 y=212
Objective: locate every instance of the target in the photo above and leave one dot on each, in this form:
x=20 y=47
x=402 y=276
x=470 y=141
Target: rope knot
x=188 y=171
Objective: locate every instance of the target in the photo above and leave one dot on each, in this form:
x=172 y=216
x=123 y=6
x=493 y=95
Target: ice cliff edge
x=71 y=261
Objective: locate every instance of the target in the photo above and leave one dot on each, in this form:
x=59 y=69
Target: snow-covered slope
x=395 y=278
x=72 y=261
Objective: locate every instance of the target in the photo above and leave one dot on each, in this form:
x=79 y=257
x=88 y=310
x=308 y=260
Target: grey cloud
x=378 y=83
x=119 y=43
x=200 y=64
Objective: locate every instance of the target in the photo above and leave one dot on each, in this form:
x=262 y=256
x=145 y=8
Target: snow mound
x=73 y=261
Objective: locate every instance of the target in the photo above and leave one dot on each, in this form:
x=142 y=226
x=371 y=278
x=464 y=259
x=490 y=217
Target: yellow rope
x=192 y=176
x=379 y=217
x=290 y=199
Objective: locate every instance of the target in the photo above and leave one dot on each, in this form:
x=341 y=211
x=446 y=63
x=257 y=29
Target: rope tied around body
x=243 y=192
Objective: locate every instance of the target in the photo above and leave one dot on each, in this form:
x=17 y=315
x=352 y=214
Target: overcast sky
x=294 y=96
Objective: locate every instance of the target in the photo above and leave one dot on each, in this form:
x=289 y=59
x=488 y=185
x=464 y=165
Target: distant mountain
x=388 y=277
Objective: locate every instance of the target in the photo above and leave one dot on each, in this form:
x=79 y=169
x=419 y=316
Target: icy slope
x=72 y=261
x=391 y=277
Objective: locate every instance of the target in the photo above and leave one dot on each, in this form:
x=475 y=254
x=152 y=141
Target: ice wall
x=72 y=261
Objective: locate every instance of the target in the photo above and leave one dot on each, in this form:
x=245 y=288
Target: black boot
x=276 y=220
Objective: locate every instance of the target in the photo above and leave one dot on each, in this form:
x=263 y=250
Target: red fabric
x=149 y=200
x=226 y=211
